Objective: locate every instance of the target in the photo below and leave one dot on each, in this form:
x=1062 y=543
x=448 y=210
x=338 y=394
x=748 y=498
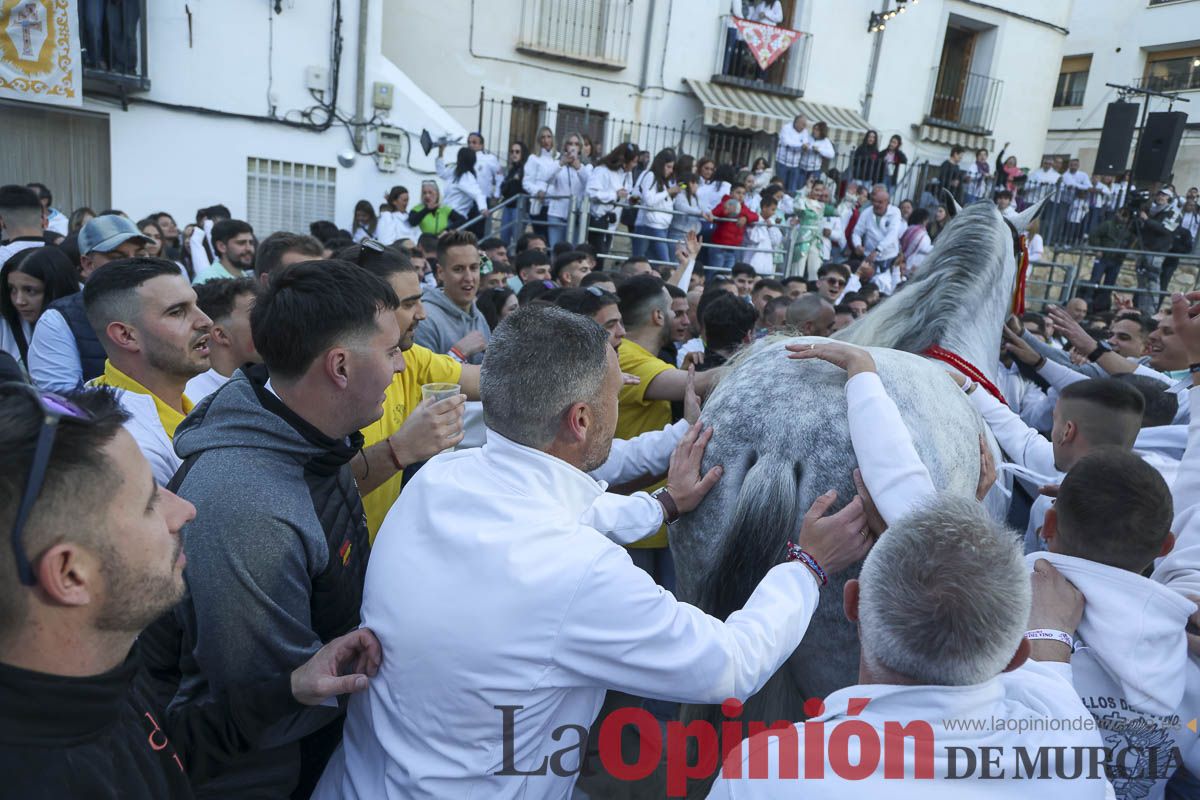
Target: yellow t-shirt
x=421 y=365
x=169 y=417
x=637 y=415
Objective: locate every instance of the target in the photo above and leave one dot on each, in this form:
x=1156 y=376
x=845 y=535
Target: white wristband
x=1051 y=635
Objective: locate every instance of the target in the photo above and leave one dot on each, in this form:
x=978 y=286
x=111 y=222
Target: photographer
x=1118 y=234
x=1157 y=223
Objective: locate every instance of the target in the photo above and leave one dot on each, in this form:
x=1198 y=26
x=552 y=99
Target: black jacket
x=105 y=737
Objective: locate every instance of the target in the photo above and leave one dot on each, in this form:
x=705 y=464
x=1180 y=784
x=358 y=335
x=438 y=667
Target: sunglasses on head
x=54 y=408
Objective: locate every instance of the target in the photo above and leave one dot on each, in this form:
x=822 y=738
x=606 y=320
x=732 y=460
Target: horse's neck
x=975 y=336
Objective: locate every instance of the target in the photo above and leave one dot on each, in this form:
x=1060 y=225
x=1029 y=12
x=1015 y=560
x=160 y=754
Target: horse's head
x=962 y=295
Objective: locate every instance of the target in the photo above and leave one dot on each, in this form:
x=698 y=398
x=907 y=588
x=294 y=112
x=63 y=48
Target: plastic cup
x=440 y=391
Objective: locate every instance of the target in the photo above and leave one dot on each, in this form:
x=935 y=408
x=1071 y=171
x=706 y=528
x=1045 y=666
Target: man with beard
x=77 y=718
x=234 y=243
x=156 y=338
x=506 y=617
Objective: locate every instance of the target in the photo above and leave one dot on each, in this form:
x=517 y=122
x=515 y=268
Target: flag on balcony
x=766 y=42
x=39 y=51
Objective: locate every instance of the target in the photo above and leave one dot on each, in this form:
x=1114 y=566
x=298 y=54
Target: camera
x=1137 y=199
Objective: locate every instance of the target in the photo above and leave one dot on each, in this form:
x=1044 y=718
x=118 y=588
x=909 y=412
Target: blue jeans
x=724 y=259
x=655 y=251
x=557 y=229
x=509 y=231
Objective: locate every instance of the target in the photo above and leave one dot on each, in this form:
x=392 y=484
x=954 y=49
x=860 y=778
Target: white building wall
x=181 y=160
x=1118 y=34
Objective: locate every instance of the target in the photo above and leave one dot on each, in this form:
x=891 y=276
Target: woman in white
x=462 y=188
x=690 y=214
x=538 y=170
x=609 y=184
x=564 y=189
x=915 y=244
x=656 y=199
x=393 y=219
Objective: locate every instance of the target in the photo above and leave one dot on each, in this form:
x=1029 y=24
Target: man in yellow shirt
x=156 y=338
x=646 y=406
x=409 y=431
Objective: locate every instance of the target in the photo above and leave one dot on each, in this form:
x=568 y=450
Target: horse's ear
x=1023 y=220
x=951 y=203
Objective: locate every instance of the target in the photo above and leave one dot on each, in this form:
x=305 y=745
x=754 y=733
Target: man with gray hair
x=876 y=239
x=513 y=617
x=811 y=315
x=948 y=618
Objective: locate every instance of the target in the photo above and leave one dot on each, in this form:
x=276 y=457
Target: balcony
x=591 y=32
x=965 y=101
x=112 y=39
x=735 y=66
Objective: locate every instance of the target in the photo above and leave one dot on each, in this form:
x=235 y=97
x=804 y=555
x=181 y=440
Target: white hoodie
x=1129 y=671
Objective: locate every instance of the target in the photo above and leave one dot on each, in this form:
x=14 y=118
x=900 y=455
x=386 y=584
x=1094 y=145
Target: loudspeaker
x=1116 y=138
x=1156 y=151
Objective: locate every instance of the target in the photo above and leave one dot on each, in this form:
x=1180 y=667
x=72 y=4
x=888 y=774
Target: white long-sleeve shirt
x=538 y=171
x=530 y=610
x=654 y=204
x=462 y=193
x=565 y=184
x=879 y=234
x=791 y=144
x=602 y=188
x=488 y=173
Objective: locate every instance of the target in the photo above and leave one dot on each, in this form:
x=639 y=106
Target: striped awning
x=733 y=107
x=953 y=136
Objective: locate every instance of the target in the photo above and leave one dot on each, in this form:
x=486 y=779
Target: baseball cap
x=107 y=233
x=1167 y=192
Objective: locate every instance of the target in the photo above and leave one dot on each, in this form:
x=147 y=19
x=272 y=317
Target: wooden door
x=953 y=72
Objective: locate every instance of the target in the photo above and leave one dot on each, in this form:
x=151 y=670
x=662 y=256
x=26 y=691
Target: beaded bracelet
x=794 y=553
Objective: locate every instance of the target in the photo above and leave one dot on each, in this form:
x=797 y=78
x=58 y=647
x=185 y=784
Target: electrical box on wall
x=316 y=78
x=381 y=95
x=389 y=148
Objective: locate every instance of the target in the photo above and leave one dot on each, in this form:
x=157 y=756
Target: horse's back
x=783 y=422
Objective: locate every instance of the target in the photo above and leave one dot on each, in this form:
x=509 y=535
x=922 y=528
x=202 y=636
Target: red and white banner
x=766 y=42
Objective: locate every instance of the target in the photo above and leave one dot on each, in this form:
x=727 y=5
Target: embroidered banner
x=39 y=51
x=766 y=42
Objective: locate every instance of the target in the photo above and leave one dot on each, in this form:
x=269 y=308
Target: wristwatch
x=1101 y=349
x=670 y=510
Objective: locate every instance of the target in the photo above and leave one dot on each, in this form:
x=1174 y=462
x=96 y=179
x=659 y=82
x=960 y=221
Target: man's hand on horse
x=847 y=356
x=1185 y=316
x=838 y=540
x=875 y=521
x=685 y=483
x=1020 y=349
x=987 y=469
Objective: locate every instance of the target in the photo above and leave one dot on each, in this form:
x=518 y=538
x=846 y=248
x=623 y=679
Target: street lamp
x=879 y=19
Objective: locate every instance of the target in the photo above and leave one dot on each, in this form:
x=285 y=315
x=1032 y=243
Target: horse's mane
x=967 y=261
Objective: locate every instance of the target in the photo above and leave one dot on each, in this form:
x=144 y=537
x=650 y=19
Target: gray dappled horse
x=782 y=436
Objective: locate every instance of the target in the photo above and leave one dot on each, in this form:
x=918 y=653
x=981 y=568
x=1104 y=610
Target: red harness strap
x=966 y=368
x=1018 y=300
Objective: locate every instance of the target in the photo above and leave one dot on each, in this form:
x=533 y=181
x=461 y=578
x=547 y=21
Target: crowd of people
x=248 y=426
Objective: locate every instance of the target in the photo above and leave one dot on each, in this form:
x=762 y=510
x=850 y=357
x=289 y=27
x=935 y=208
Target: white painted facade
x=1120 y=35
x=242 y=58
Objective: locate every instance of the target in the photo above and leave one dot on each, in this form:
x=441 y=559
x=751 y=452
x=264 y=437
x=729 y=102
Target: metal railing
x=591 y=31
x=113 y=46
x=736 y=65
x=965 y=100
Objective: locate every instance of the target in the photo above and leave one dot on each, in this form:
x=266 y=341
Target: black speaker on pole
x=1116 y=138
x=1155 y=157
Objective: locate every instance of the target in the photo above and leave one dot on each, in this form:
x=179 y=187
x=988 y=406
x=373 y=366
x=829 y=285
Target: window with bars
x=1173 y=71
x=590 y=31
x=1072 y=81
x=284 y=196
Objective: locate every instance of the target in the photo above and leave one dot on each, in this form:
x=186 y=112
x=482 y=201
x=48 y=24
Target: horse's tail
x=766 y=511
x=768 y=507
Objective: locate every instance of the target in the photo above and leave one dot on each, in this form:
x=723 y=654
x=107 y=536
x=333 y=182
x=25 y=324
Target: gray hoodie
x=445 y=323
x=276 y=558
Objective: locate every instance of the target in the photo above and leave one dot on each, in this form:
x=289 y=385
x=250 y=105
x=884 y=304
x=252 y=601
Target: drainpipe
x=645 y=79
x=876 y=46
x=360 y=74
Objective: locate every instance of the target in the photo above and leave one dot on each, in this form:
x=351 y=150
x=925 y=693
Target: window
x=524 y=120
x=730 y=147
x=1173 y=70
x=282 y=196
x=583 y=121
x=589 y=31
x=1072 y=81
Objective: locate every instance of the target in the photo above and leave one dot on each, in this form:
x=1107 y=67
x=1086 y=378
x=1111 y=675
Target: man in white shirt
x=1075 y=178
x=1044 y=178
x=488 y=172
x=230 y=346
x=944 y=605
x=537 y=614
x=876 y=239
x=144 y=312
